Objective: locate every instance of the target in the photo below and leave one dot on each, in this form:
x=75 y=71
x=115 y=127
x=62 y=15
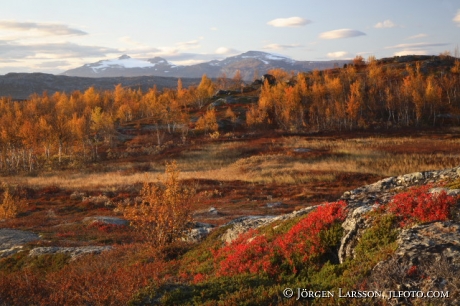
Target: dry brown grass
x=274 y=161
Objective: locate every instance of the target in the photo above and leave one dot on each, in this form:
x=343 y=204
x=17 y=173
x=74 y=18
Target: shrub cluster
x=418 y=205
x=313 y=236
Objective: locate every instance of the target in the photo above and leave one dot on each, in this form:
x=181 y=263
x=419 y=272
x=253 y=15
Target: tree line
x=359 y=96
x=46 y=131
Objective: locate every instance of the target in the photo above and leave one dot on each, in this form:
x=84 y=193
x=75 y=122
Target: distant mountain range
x=248 y=63
x=20 y=86
x=133 y=73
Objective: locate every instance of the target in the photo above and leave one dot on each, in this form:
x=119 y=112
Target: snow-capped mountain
x=124 y=66
x=265 y=58
x=248 y=63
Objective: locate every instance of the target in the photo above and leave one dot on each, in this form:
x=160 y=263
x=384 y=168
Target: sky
x=52 y=36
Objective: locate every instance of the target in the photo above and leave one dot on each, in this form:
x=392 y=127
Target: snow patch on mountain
x=275 y=57
x=122 y=62
x=265 y=57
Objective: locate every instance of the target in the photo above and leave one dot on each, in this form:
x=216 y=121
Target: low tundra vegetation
x=418 y=205
x=259 y=264
x=253 y=269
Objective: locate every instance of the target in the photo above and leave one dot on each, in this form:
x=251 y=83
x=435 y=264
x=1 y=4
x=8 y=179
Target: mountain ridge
x=248 y=63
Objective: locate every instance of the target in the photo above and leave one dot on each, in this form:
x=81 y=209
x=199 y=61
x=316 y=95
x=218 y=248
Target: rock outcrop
x=428 y=242
x=363 y=199
x=12 y=240
x=74 y=252
x=198 y=232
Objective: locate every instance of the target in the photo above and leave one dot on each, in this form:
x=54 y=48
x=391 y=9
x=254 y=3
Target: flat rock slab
x=105 y=219
x=74 y=252
x=421 y=242
x=12 y=240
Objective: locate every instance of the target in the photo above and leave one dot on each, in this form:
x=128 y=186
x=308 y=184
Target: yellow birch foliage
x=207 y=122
x=165 y=211
x=10 y=206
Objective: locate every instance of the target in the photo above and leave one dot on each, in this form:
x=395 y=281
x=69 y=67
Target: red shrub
x=418 y=205
x=254 y=253
x=250 y=252
x=412 y=271
x=198 y=278
x=105 y=227
x=303 y=242
x=66 y=234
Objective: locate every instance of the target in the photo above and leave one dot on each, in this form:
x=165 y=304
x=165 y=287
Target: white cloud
x=191 y=44
x=214 y=29
x=187 y=62
x=225 y=51
x=410 y=52
x=421 y=35
x=341 y=33
x=289 y=22
x=129 y=41
x=280 y=46
x=48 y=28
x=184 y=58
x=385 y=24
x=416 y=45
x=62 y=50
x=457 y=18
x=53 y=64
x=337 y=54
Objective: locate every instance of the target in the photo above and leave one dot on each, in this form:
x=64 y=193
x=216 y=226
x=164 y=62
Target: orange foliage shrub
x=11 y=206
x=165 y=210
x=207 y=122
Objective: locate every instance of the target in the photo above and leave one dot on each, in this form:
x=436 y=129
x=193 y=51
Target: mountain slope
x=248 y=63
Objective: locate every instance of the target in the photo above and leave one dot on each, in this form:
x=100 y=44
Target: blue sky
x=55 y=35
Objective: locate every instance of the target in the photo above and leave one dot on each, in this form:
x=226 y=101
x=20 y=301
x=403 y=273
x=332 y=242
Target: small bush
x=165 y=210
x=418 y=205
x=11 y=206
